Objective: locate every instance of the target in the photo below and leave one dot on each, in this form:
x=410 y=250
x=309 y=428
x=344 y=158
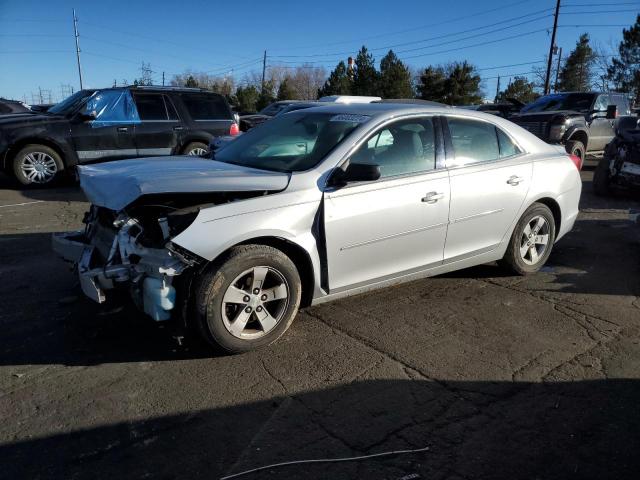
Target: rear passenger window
x=473 y=141
x=150 y=107
x=507 y=147
x=171 y=109
x=206 y=107
x=402 y=148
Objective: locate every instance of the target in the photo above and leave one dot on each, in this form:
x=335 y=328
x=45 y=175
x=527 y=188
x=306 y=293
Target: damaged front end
x=130 y=250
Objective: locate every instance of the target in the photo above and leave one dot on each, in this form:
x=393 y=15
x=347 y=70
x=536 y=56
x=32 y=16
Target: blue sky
x=37 y=47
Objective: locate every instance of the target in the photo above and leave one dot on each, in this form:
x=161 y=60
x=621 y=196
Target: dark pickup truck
x=583 y=122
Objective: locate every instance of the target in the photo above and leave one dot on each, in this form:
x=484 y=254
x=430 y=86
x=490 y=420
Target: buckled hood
x=114 y=185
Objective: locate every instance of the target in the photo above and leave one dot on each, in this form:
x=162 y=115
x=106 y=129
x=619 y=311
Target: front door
x=490 y=177
x=109 y=136
x=397 y=224
x=160 y=127
x=601 y=129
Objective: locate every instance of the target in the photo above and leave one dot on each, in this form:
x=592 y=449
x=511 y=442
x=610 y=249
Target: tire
x=601 y=178
x=577 y=148
x=37 y=165
x=196 y=149
x=526 y=263
x=222 y=291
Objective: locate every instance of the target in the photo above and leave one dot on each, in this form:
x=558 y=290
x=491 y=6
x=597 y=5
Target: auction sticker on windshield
x=346 y=117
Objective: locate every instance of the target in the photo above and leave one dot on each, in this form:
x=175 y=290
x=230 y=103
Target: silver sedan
x=315 y=205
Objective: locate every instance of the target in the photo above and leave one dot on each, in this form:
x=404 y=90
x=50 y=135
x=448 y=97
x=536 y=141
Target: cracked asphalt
x=502 y=377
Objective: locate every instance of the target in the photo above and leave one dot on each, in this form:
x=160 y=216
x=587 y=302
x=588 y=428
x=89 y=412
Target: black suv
x=110 y=124
x=583 y=122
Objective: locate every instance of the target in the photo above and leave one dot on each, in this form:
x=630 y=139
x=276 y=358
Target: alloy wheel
x=534 y=240
x=197 y=152
x=38 y=167
x=255 y=302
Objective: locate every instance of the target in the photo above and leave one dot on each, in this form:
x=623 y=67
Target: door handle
x=123 y=129
x=178 y=128
x=514 y=180
x=432 y=197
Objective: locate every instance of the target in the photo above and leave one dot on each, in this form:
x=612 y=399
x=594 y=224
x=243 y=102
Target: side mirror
x=612 y=112
x=356 y=172
x=85 y=117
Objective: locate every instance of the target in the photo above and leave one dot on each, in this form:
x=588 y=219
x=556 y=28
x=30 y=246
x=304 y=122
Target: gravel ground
x=499 y=376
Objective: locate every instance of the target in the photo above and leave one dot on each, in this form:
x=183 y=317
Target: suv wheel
x=36 y=165
x=196 y=149
x=531 y=241
x=248 y=299
x=577 y=148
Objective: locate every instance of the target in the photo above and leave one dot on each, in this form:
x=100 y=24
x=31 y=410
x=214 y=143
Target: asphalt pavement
x=500 y=376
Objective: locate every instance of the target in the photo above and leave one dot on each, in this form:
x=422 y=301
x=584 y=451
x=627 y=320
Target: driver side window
x=401 y=148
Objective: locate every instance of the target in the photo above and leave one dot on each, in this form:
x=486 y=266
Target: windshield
x=69 y=104
x=273 y=109
x=579 y=102
x=292 y=142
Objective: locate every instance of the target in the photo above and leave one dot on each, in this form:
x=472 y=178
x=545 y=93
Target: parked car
x=247 y=122
x=583 y=122
x=110 y=124
x=12 y=106
x=620 y=165
x=504 y=109
x=316 y=205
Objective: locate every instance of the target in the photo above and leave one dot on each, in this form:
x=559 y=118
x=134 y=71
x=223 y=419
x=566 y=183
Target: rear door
x=490 y=177
x=159 y=128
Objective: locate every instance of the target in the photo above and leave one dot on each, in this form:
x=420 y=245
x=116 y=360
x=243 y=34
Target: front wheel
x=531 y=241
x=248 y=299
x=36 y=165
x=577 y=148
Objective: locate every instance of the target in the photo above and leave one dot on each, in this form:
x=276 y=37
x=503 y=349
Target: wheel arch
x=554 y=206
x=23 y=142
x=298 y=255
x=581 y=136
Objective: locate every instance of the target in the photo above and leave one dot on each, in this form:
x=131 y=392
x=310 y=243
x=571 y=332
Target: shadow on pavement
x=564 y=430
x=63 y=190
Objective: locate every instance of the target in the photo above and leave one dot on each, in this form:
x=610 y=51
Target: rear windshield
x=290 y=143
x=206 y=106
x=579 y=102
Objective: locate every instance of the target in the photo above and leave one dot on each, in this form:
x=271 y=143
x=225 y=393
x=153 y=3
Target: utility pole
x=75 y=30
x=40 y=95
x=497 y=90
x=547 y=80
x=264 y=69
x=163 y=79
x=555 y=87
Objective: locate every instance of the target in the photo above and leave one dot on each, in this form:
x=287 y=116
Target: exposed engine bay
x=131 y=249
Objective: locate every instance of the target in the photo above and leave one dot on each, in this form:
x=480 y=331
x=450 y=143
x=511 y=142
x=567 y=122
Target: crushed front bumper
x=146 y=273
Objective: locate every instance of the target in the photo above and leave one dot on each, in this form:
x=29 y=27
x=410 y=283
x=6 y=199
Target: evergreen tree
x=520 y=89
x=432 y=84
x=191 y=82
x=267 y=95
x=576 y=73
x=247 y=98
x=395 y=78
x=338 y=82
x=624 y=71
x=462 y=86
x=285 y=91
x=365 y=77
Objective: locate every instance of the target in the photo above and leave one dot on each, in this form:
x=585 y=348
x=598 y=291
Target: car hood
x=115 y=185
x=544 y=116
x=27 y=118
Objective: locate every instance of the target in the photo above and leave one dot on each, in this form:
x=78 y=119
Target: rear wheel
x=196 y=149
x=248 y=299
x=531 y=241
x=601 y=177
x=36 y=165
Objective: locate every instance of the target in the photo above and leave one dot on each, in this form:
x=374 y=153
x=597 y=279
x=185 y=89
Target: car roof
x=377 y=109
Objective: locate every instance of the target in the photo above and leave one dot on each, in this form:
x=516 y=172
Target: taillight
x=234 y=130
x=577 y=161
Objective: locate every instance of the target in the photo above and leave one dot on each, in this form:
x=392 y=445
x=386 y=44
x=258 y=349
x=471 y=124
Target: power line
x=438 y=37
